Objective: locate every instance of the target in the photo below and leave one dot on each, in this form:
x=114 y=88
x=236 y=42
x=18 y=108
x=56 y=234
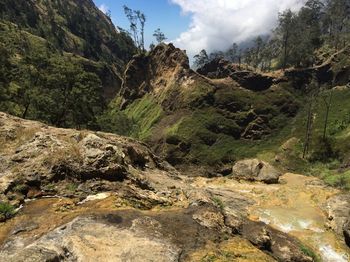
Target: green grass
x=144 y=113
x=309 y=252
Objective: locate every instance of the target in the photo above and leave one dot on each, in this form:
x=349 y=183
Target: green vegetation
x=71 y=187
x=144 y=114
x=296 y=39
x=6 y=211
x=218 y=202
x=54 y=68
x=309 y=252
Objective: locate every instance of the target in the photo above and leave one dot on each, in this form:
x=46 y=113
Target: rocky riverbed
x=90 y=196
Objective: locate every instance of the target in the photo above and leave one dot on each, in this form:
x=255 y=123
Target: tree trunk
x=328 y=107
x=24 y=115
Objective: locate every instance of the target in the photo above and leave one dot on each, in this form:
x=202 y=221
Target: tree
x=142 y=20
x=159 y=35
x=257 y=50
x=337 y=21
x=137 y=21
x=201 y=59
x=284 y=32
x=232 y=53
x=216 y=55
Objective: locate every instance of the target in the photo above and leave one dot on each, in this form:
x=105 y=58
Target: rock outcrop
x=220 y=68
x=182 y=114
x=145 y=74
x=38 y=160
x=255 y=170
x=338 y=210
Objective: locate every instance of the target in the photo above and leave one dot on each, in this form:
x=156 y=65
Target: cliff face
x=155 y=73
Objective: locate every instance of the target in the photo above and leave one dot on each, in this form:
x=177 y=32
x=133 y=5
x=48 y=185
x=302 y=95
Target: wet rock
x=255 y=170
x=85 y=239
x=338 y=211
x=280 y=245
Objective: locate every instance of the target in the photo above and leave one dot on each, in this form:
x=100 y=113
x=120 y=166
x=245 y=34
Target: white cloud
x=104 y=8
x=216 y=24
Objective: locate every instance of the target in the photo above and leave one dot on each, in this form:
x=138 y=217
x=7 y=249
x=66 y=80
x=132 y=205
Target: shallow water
x=294 y=206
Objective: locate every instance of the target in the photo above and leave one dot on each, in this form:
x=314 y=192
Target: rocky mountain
x=83 y=195
x=222 y=112
x=190 y=118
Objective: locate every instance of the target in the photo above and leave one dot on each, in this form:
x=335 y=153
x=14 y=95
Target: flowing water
x=294 y=206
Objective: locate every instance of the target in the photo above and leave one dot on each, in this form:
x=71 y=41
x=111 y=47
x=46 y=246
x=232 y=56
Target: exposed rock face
x=220 y=68
x=255 y=170
x=338 y=210
x=217 y=68
x=282 y=247
x=40 y=160
x=165 y=99
x=165 y=64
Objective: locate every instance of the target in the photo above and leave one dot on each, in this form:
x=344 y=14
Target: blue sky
x=194 y=25
x=160 y=14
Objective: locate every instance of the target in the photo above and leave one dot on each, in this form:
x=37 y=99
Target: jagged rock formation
x=37 y=160
x=189 y=118
x=220 y=68
x=164 y=66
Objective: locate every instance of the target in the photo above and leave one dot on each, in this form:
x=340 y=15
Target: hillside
x=222 y=115
x=40 y=40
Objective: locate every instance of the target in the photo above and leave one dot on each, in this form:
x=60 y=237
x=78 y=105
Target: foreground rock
x=338 y=211
x=109 y=195
x=255 y=170
x=37 y=160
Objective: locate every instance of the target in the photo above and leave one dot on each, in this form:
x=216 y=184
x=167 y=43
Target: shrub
x=6 y=211
x=323 y=150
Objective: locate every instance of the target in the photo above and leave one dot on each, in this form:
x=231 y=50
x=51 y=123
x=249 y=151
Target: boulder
x=338 y=211
x=255 y=170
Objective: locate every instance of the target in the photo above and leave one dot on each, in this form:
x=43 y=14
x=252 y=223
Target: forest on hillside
x=301 y=39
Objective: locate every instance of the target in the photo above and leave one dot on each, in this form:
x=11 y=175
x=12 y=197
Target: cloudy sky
x=203 y=24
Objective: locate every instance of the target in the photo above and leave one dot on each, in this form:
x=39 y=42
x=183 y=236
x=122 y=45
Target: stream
x=295 y=207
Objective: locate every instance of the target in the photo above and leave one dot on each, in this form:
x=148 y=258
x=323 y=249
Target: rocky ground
x=90 y=196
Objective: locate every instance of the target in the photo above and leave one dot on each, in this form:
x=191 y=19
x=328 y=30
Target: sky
x=194 y=25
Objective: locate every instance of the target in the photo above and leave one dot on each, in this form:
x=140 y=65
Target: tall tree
x=284 y=31
x=201 y=59
x=338 y=21
x=232 y=53
x=137 y=21
x=159 y=35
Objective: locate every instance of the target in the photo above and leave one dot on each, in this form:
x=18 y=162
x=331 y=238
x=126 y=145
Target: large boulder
x=255 y=170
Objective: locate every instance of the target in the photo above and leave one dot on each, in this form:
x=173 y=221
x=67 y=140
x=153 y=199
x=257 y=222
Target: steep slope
x=42 y=41
x=189 y=118
x=75 y=26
